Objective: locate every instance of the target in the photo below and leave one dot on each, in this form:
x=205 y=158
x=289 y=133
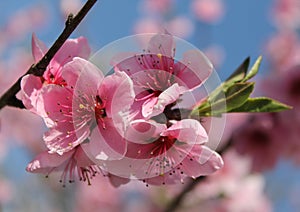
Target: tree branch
x=38 y=69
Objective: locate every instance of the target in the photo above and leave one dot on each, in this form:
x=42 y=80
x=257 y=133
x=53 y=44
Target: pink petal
x=89 y=79
x=120 y=58
x=202 y=161
x=162 y=44
x=54 y=102
x=46 y=162
x=148 y=105
x=134 y=63
x=78 y=47
x=30 y=89
x=189 y=131
x=193 y=69
x=168 y=96
x=117 y=90
x=143 y=132
x=117 y=181
x=39 y=49
x=106 y=144
x=63 y=138
x=81 y=158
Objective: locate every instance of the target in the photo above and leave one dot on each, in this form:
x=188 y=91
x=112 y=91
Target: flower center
x=161 y=146
x=100 y=111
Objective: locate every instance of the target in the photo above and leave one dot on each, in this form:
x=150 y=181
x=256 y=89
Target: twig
x=175 y=203
x=38 y=69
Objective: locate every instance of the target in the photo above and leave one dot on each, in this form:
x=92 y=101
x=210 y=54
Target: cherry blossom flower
x=52 y=97
x=31 y=85
x=86 y=103
x=158 y=78
x=165 y=155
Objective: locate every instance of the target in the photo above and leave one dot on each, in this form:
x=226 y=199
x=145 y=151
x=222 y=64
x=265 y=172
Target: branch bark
x=38 y=69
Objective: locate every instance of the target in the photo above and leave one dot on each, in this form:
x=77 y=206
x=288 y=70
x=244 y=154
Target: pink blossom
x=283 y=50
x=210 y=11
x=72 y=163
x=262 y=140
x=286 y=14
x=85 y=103
x=31 y=85
x=165 y=155
x=284 y=86
x=158 y=78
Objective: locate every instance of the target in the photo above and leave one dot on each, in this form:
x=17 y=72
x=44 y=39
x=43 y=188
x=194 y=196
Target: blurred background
x=262 y=165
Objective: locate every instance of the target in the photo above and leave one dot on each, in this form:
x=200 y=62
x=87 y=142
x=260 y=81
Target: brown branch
x=38 y=69
x=175 y=203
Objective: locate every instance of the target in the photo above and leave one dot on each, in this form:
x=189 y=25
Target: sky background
x=243 y=32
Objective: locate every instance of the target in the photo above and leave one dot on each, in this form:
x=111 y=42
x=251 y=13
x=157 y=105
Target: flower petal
x=189 y=131
x=54 y=104
x=63 y=138
x=117 y=90
x=162 y=44
x=168 y=96
x=202 y=161
x=45 y=162
x=30 y=86
x=39 y=49
x=143 y=132
x=193 y=69
x=117 y=181
x=106 y=144
x=78 y=47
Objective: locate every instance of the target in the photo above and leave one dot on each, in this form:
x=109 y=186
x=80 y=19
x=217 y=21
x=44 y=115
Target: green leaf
x=253 y=71
x=233 y=97
x=261 y=104
x=240 y=73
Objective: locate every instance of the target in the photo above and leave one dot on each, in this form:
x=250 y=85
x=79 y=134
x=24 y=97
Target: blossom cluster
x=124 y=125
